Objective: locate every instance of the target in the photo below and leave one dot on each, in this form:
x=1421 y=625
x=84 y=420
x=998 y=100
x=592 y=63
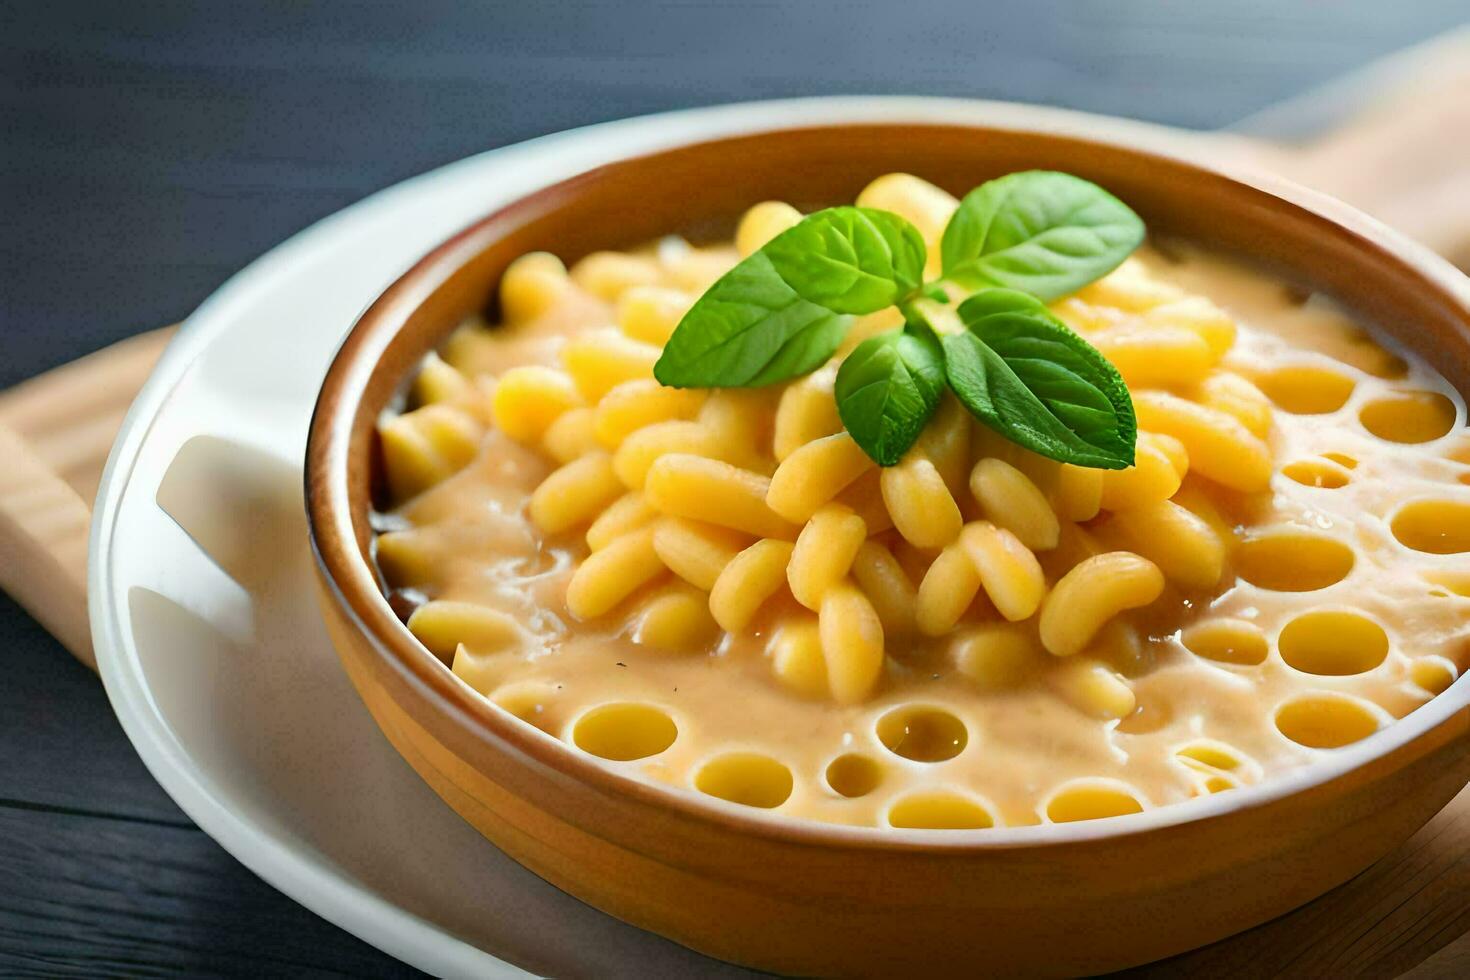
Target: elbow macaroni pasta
x=719 y=589
x=814 y=474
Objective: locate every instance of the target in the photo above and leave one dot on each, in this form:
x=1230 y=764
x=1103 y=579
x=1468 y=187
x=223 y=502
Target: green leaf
x=1027 y=376
x=749 y=329
x=887 y=390
x=850 y=260
x=990 y=301
x=1044 y=232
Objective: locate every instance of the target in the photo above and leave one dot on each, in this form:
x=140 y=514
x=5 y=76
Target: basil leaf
x=807 y=350
x=1030 y=378
x=991 y=301
x=887 y=390
x=749 y=329
x=850 y=260
x=1044 y=232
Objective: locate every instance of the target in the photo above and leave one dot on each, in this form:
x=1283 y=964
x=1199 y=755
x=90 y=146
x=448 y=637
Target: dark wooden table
x=149 y=150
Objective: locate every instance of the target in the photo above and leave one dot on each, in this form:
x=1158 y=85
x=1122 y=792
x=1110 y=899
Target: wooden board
x=55 y=433
x=1403 y=160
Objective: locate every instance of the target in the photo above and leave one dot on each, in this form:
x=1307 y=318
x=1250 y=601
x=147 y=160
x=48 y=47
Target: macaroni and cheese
x=719 y=590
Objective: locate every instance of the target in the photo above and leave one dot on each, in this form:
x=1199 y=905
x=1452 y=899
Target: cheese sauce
x=1344 y=603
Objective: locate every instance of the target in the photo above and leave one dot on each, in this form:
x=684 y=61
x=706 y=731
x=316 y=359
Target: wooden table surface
x=150 y=150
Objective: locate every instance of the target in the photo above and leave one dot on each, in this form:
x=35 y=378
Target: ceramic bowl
x=808 y=898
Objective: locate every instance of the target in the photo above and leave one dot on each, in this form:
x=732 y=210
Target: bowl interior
x=700 y=190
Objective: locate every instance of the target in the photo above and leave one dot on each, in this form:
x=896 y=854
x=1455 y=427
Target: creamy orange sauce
x=473 y=542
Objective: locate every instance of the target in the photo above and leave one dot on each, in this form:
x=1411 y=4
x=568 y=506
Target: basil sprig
x=1020 y=240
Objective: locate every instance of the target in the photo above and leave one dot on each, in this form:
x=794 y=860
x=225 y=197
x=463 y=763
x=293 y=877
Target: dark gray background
x=149 y=150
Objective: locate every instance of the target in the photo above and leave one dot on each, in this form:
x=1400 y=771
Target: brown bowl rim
x=353 y=584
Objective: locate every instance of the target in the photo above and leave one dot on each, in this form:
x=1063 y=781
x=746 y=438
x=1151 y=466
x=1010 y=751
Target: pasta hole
x=1411 y=417
x=1460 y=453
x=1214 y=755
x=939 y=811
x=923 y=734
x=1320 y=473
x=1437 y=527
x=1433 y=674
x=1292 y=561
x=746 y=778
x=1216 y=783
x=624 y=731
x=1333 y=643
x=1214 y=766
x=1228 y=641
x=1454 y=583
x=854 y=775
x=1091 y=801
x=1325 y=721
x=1378 y=362
x=1306 y=390
x=1342 y=459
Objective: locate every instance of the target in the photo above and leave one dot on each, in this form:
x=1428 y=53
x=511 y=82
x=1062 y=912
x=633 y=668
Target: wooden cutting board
x=55 y=433
x=1406 y=159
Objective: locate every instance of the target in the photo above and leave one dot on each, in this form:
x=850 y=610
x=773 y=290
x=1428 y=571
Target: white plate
x=203 y=618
